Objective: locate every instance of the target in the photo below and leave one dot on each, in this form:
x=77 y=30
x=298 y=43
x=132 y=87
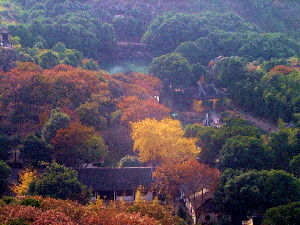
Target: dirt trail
x=125 y=43
x=261 y=123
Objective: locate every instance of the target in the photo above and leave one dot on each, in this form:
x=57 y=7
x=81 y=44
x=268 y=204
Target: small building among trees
x=118 y=183
x=4 y=38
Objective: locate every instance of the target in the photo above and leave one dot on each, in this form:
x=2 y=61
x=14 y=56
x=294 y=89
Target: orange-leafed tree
x=17 y=78
x=196 y=181
x=154 y=209
x=134 y=84
x=22 y=92
x=53 y=217
x=282 y=69
x=74 y=84
x=144 y=85
x=78 y=144
x=162 y=141
x=132 y=219
x=59 y=212
x=135 y=109
x=13 y=212
x=27 y=91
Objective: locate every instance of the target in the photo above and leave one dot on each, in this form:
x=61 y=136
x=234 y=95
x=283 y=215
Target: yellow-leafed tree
x=198 y=106
x=26 y=177
x=162 y=141
x=138 y=196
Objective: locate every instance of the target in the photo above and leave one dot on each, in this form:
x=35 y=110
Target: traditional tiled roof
x=3 y=30
x=209 y=91
x=106 y=179
x=204 y=92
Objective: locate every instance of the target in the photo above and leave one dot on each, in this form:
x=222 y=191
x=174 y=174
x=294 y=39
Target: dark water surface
x=126 y=65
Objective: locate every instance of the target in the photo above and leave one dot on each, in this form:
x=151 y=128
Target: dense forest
x=208 y=63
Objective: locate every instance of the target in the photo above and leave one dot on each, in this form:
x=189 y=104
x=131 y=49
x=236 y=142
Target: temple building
x=118 y=183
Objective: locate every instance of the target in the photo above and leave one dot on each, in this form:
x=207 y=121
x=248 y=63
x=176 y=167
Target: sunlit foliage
x=162 y=141
x=26 y=177
x=52 y=211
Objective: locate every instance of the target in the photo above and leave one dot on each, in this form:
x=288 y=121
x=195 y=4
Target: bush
x=8 y=200
x=4 y=173
x=30 y=202
x=18 y=222
x=129 y=161
x=286 y=214
x=60 y=182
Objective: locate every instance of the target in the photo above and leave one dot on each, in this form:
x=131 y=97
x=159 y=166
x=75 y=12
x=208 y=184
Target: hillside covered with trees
x=209 y=63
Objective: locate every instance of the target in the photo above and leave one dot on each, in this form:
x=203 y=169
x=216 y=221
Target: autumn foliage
x=95 y=99
x=72 y=144
x=162 y=141
x=196 y=180
x=28 y=92
x=282 y=69
x=155 y=210
x=74 y=135
x=135 y=109
x=13 y=212
x=191 y=176
x=91 y=99
x=26 y=177
x=134 y=84
x=59 y=212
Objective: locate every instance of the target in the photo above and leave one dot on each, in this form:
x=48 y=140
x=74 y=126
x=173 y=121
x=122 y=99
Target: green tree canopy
x=211 y=139
x=95 y=150
x=4 y=173
x=59 y=47
x=128 y=27
x=58 y=182
x=284 y=145
x=90 y=116
x=230 y=70
x=285 y=214
x=269 y=46
x=35 y=150
x=256 y=191
x=72 y=57
x=4 y=147
x=57 y=120
x=48 y=59
x=241 y=152
x=294 y=165
x=78 y=29
x=173 y=69
x=167 y=31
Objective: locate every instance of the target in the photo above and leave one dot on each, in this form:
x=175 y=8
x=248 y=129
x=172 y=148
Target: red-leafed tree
x=282 y=69
x=195 y=180
x=28 y=93
x=78 y=144
x=134 y=84
x=135 y=109
x=23 y=91
x=74 y=84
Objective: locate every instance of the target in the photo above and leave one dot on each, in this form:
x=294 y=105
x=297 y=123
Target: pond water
x=126 y=65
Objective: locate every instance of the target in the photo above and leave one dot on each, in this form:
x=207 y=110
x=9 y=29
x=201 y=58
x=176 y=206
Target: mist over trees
x=216 y=115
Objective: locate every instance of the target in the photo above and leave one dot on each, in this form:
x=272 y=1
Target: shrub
x=30 y=202
x=20 y=221
x=8 y=200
